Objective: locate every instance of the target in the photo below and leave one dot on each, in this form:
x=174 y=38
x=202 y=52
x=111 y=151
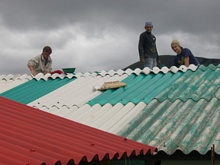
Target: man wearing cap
x=184 y=55
x=147 y=47
x=41 y=63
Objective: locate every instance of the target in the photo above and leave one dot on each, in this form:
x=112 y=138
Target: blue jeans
x=150 y=62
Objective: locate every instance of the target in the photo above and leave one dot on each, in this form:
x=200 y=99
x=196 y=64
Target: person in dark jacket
x=184 y=55
x=147 y=47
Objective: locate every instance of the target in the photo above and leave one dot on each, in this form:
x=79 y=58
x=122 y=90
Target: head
x=149 y=26
x=46 y=52
x=175 y=45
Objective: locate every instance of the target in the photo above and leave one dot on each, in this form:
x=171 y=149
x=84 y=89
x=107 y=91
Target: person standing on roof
x=184 y=55
x=41 y=63
x=147 y=47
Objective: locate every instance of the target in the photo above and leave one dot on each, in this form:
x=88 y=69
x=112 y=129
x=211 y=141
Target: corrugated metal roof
x=186 y=126
x=139 y=88
x=172 y=116
x=190 y=125
x=33 y=89
x=31 y=136
x=10 y=81
x=81 y=90
x=202 y=84
x=76 y=93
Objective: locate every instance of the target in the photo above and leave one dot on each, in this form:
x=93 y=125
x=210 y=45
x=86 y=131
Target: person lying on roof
x=184 y=55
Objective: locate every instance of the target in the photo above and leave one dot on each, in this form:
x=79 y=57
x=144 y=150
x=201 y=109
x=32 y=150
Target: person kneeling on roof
x=42 y=63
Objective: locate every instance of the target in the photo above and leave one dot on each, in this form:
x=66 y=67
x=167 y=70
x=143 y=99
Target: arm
x=32 y=65
x=187 y=53
x=158 y=59
x=141 y=48
x=48 y=67
x=186 y=61
x=31 y=68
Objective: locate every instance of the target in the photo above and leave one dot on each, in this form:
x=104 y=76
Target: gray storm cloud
x=101 y=35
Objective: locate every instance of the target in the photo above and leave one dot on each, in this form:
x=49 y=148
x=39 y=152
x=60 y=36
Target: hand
x=33 y=73
x=142 y=60
x=45 y=72
x=31 y=68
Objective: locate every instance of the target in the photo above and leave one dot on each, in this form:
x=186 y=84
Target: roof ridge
x=103 y=73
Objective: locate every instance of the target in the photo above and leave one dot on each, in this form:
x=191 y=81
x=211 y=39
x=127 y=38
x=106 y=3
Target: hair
x=47 y=49
x=175 y=42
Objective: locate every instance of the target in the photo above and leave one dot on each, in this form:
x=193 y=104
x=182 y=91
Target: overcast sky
x=95 y=35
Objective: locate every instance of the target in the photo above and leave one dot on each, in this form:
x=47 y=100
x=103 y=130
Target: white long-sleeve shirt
x=40 y=65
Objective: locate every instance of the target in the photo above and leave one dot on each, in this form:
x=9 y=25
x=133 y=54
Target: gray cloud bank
x=94 y=35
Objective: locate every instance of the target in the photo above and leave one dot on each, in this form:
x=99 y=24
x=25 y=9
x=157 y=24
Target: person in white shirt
x=41 y=63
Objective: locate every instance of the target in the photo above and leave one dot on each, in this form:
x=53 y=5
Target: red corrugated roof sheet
x=31 y=136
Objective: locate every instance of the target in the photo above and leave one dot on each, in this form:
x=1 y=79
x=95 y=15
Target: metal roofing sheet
x=202 y=84
x=175 y=112
x=169 y=126
x=139 y=88
x=75 y=93
x=8 y=82
x=107 y=118
x=30 y=136
x=185 y=126
x=33 y=89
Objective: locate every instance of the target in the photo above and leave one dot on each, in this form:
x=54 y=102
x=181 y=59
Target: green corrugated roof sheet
x=33 y=89
x=185 y=116
x=202 y=84
x=186 y=126
x=139 y=88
